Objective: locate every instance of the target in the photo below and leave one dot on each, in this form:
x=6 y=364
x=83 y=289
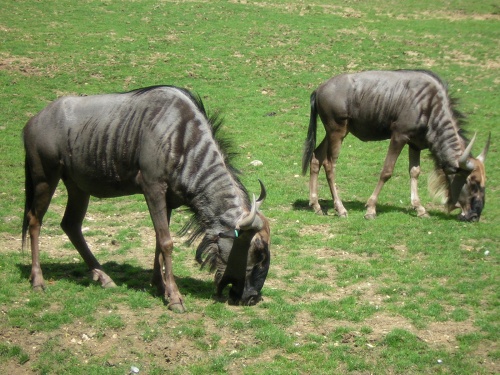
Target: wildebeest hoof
x=370 y=216
x=316 y=208
x=319 y=212
x=252 y=301
x=177 y=307
x=220 y=298
x=38 y=288
x=105 y=280
x=109 y=284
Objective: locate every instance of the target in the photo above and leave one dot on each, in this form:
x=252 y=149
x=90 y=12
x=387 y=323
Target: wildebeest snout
x=250 y=298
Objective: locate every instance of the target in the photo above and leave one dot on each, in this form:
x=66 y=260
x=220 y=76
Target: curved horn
x=247 y=221
x=464 y=162
x=263 y=194
x=482 y=156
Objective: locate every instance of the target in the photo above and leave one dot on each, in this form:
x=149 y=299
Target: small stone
x=256 y=163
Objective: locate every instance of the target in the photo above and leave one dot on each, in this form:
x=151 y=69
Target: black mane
x=215 y=121
x=459 y=116
x=454 y=102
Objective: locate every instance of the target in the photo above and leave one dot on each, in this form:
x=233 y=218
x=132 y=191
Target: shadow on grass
x=132 y=277
x=357 y=206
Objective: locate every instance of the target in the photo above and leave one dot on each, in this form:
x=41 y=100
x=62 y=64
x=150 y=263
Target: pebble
x=256 y=163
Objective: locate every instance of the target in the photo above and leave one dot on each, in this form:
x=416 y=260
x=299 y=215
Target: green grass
x=393 y=295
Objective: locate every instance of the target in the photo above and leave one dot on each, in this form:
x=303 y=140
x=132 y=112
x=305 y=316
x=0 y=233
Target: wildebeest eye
x=474 y=187
x=260 y=255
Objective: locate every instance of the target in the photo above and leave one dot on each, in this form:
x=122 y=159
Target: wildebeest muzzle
x=246 y=271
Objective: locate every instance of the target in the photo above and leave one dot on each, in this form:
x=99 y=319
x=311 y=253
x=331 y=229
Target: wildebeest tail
x=310 y=143
x=29 y=196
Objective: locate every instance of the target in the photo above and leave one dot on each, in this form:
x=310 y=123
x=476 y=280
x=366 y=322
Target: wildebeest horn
x=464 y=162
x=252 y=220
x=482 y=156
x=247 y=221
x=262 y=196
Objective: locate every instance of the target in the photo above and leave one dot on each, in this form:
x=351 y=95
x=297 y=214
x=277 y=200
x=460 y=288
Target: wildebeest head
x=241 y=257
x=467 y=186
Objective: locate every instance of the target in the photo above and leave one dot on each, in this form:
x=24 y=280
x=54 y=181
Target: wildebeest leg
x=155 y=195
x=395 y=148
x=157 y=270
x=43 y=192
x=333 y=150
x=414 y=169
x=317 y=160
x=71 y=223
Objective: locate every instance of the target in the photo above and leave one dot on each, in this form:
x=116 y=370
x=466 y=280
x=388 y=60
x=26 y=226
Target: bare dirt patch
x=20 y=64
x=436 y=334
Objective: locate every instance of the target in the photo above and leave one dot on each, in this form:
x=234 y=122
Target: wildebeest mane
x=215 y=121
x=457 y=114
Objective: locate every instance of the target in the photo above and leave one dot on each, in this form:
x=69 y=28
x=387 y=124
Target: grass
x=395 y=295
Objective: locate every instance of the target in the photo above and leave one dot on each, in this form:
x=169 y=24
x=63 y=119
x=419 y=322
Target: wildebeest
x=408 y=107
x=157 y=141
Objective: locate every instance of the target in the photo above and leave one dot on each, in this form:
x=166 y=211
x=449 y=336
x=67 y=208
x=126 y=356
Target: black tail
x=29 y=196
x=310 y=143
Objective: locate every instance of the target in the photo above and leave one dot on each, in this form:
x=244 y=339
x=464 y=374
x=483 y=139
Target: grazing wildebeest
x=157 y=141
x=408 y=107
